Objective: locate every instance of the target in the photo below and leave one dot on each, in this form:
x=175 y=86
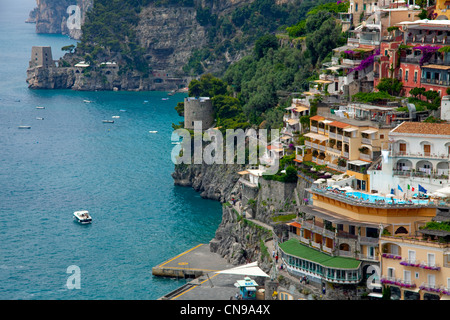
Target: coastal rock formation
x=50 y=78
x=216 y=182
x=238 y=239
x=51 y=16
x=169 y=35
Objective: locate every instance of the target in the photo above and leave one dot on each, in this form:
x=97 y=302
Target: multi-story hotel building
x=417 y=267
x=348 y=139
x=411 y=55
x=418 y=154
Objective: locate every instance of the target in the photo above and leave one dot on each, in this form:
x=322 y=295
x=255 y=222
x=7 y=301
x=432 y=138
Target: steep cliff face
x=237 y=239
x=51 y=16
x=169 y=35
x=215 y=181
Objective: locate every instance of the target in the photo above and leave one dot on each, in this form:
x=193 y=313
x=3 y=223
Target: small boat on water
x=82 y=216
x=115 y=117
x=153 y=131
x=39 y=107
x=87 y=101
x=123 y=110
x=39 y=118
x=108 y=121
x=165 y=99
x=24 y=127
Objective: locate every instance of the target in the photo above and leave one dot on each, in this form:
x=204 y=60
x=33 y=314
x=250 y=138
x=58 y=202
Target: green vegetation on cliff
x=253 y=91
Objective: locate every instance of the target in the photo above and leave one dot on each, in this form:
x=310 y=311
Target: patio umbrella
x=445 y=190
x=440 y=195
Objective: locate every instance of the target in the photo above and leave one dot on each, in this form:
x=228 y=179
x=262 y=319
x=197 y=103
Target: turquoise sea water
x=71 y=161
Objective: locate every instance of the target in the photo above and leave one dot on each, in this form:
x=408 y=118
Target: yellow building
x=442 y=9
x=417 y=268
x=338 y=237
x=347 y=145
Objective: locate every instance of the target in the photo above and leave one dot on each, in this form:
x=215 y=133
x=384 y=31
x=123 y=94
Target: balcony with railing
x=405 y=283
x=336 y=167
x=429 y=155
x=420 y=264
x=366 y=157
x=438 y=82
x=433 y=288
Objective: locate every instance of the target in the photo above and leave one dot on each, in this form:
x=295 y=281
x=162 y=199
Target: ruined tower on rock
x=198 y=109
x=41 y=57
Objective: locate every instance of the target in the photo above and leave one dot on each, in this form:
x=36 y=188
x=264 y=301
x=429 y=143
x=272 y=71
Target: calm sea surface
x=71 y=161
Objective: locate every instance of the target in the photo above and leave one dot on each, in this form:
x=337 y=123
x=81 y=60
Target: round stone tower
x=198 y=109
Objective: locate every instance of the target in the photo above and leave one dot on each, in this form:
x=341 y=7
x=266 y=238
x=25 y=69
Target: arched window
x=401 y=230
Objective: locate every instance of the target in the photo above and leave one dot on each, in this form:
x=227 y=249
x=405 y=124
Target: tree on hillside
x=207 y=86
x=392 y=86
x=417 y=92
x=264 y=43
x=323 y=40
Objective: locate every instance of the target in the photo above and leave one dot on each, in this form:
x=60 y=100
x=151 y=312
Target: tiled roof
x=441 y=129
x=339 y=124
x=317 y=117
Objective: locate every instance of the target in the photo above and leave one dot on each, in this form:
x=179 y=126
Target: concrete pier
x=192 y=263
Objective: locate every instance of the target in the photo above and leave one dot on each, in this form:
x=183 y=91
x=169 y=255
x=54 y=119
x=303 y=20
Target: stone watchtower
x=41 y=57
x=198 y=109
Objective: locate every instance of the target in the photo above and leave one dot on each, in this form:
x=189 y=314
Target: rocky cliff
x=169 y=35
x=238 y=239
x=51 y=16
x=168 y=42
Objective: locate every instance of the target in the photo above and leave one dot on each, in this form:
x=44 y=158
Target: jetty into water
x=192 y=263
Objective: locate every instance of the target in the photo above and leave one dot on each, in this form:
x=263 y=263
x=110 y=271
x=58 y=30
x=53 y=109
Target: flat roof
x=295 y=248
x=358 y=162
x=437 y=66
x=369 y=131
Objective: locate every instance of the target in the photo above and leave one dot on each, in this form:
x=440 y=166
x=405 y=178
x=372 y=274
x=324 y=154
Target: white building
x=418 y=155
x=445 y=108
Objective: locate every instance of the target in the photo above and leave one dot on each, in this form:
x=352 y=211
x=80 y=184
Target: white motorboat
x=115 y=117
x=153 y=131
x=39 y=118
x=82 y=217
x=87 y=101
x=108 y=121
x=38 y=107
x=24 y=127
